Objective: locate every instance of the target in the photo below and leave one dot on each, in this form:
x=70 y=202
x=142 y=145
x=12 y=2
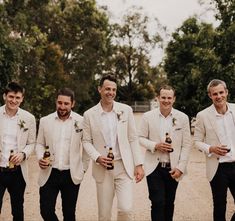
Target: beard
x=63 y=113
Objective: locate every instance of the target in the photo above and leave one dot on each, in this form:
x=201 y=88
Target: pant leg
x=171 y=187
x=156 y=188
x=105 y=194
x=231 y=185
x=48 y=194
x=124 y=191
x=2 y=189
x=16 y=189
x=219 y=187
x=69 y=195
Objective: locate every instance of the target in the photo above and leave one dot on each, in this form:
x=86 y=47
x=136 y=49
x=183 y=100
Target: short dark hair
x=66 y=92
x=214 y=83
x=13 y=87
x=165 y=87
x=109 y=77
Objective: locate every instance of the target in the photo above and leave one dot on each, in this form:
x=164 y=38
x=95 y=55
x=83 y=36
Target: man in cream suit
x=111 y=124
x=17 y=135
x=61 y=131
x=165 y=163
x=215 y=136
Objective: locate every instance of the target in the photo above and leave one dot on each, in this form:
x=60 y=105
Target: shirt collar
x=5 y=113
x=101 y=111
x=71 y=116
x=220 y=115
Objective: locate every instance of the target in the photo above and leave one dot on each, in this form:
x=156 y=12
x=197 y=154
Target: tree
x=191 y=62
x=132 y=45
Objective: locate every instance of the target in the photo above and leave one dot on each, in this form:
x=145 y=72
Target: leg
x=124 y=191
x=2 y=189
x=105 y=194
x=48 y=195
x=219 y=186
x=16 y=189
x=156 y=188
x=69 y=195
x=171 y=186
x=232 y=186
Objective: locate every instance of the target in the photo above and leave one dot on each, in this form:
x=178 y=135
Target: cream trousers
x=117 y=182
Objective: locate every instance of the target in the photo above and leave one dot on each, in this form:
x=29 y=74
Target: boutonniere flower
x=119 y=115
x=77 y=129
x=22 y=125
x=173 y=121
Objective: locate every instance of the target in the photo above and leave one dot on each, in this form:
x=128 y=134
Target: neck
x=221 y=110
x=165 y=113
x=10 y=112
x=107 y=107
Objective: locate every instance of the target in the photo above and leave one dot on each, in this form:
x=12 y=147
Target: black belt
x=227 y=164
x=8 y=169
x=164 y=164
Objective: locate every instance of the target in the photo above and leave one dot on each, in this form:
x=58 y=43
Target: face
x=108 y=92
x=218 y=95
x=166 y=100
x=13 y=100
x=64 y=106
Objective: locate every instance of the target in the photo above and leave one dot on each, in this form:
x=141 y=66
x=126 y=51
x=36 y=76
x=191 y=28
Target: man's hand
x=43 y=164
x=139 y=173
x=220 y=150
x=163 y=147
x=104 y=161
x=17 y=158
x=175 y=173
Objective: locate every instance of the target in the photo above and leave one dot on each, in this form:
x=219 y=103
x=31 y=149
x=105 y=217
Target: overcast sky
x=170 y=13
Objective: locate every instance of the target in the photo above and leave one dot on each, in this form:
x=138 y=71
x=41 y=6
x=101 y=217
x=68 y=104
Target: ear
x=73 y=104
x=99 y=89
x=4 y=96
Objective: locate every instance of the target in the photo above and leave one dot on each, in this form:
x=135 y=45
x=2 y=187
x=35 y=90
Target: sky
x=170 y=13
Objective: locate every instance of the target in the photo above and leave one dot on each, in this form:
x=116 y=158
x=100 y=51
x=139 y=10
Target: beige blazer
x=207 y=134
x=94 y=142
x=26 y=136
x=149 y=136
x=79 y=160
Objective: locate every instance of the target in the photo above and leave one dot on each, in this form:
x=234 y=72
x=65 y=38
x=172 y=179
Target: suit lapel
x=156 y=122
x=1 y=124
x=19 y=133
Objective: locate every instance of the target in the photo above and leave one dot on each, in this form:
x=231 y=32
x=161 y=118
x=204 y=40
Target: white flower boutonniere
x=22 y=125
x=119 y=115
x=173 y=121
x=77 y=129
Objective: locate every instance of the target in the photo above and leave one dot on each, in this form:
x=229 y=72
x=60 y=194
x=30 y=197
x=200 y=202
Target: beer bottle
x=11 y=165
x=168 y=140
x=110 y=155
x=46 y=155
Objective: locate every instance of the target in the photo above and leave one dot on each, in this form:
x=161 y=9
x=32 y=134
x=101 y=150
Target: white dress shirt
x=226 y=125
x=109 y=129
x=165 y=127
x=62 y=137
x=10 y=125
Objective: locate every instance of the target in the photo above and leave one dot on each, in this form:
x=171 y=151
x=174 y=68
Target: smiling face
x=13 y=100
x=166 y=100
x=218 y=95
x=108 y=92
x=64 y=106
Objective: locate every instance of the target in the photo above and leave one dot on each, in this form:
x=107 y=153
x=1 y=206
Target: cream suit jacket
x=207 y=134
x=26 y=136
x=149 y=136
x=94 y=142
x=79 y=160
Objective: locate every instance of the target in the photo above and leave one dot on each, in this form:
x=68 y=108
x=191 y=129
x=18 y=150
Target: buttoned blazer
x=149 y=136
x=207 y=134
x=78 y=158
x=94 y=142
x=26 y=136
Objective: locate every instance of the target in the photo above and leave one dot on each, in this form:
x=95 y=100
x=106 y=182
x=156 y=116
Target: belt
x=8 y=169
x=164 y=164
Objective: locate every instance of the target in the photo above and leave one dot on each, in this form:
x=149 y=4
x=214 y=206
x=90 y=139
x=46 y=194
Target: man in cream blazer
x=214 y=135
x=61 y=132
x=111 y=124
x=17 y=134
x=163 y=167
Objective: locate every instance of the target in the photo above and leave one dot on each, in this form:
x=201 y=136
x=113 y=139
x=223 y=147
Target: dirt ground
x=193 y=199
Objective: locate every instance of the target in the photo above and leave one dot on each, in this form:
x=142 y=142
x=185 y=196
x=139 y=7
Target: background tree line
x=49 y=44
